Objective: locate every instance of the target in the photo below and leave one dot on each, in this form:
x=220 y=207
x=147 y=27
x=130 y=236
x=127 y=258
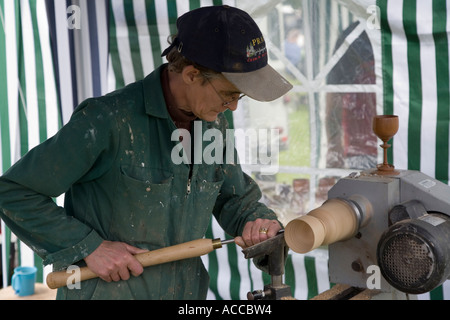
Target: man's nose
x=233 y=106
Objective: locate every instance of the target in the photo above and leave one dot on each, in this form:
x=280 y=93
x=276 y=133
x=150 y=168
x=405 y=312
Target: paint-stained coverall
x=113 y=162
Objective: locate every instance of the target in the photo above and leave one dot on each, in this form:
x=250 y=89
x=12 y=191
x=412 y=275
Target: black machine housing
x=413 y=253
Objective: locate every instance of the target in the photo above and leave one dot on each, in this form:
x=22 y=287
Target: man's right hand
x=114 y=261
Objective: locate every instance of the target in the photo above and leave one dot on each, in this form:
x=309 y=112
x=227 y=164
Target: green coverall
x=113 y=161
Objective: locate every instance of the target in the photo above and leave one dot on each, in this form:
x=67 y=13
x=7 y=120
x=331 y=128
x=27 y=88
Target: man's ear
x=190 y=74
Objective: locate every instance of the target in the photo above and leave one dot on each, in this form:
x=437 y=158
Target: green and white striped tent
x=55 y=53
x=416 y=82
x=29 y=112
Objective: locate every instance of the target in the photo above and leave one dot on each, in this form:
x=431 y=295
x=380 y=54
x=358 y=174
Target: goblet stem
x=385 y=147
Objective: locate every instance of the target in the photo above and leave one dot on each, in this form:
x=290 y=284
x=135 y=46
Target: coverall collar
x=153 y=94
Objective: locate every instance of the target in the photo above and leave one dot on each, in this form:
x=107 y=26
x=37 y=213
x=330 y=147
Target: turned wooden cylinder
x=335 y=220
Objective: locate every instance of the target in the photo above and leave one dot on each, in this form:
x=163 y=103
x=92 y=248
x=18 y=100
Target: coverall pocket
x=205 y=196
x=141 y=205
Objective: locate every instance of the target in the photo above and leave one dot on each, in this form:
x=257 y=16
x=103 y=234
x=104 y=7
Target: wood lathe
x=387 y=230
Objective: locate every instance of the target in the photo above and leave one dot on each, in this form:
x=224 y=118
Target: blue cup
x=23 y=280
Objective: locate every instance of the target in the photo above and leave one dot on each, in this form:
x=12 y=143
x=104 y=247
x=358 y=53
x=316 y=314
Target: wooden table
x=41 y=292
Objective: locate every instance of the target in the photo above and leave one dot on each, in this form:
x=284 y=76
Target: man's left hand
x=257 y=231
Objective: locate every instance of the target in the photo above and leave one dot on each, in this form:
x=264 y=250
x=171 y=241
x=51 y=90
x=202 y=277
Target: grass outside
x=298 y=152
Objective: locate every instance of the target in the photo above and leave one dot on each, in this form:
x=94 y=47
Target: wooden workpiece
x=346 y=292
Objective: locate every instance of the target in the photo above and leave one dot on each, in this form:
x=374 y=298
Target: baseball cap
x=227 y=40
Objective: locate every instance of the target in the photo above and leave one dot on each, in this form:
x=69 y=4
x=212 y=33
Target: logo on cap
x=256 y=49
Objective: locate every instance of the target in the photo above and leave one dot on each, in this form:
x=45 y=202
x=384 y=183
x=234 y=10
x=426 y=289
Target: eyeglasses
x=225 y=103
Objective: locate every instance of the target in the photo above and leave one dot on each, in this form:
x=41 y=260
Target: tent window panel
x=323 y=49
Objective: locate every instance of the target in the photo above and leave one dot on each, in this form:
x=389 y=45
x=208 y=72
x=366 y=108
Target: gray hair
x=177 y=62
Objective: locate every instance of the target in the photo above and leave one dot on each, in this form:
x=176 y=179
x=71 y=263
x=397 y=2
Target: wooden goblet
x=385 y=127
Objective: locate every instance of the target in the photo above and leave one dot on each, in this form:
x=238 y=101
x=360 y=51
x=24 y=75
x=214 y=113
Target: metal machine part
x=271 y=255
x=404 y=232
x=413 y=254
x=400 y=204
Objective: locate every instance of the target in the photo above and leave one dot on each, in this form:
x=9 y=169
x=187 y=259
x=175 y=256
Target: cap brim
x=264 y=84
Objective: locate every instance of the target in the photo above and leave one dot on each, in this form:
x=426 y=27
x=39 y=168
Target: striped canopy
x=416 y=82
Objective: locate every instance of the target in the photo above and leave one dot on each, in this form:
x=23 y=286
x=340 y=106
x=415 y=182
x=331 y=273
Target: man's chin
x=210 y=117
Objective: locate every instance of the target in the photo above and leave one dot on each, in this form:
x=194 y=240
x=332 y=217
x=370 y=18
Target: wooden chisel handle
x=191 y=249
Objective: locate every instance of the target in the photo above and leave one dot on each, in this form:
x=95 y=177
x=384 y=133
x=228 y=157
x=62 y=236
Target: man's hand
x=114 y=261
x=257 y=231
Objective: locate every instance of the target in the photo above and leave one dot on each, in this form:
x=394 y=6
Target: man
x=114 y=160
